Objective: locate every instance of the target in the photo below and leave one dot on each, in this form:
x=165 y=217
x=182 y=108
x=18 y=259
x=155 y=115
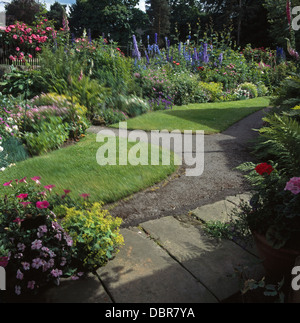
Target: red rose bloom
x=264 y=168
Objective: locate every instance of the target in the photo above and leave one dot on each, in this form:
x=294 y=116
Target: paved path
x=179 y=194
x=167 y=257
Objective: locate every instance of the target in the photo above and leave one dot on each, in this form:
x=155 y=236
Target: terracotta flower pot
x=278 y=263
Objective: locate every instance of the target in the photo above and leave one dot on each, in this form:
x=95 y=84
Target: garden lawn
x=210 y=117
x=75 y=168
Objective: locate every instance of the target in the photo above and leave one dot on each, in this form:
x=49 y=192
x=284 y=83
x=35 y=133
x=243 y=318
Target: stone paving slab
x=142 y=272
x=222 y=211
x=84 y=290
x=212 y=262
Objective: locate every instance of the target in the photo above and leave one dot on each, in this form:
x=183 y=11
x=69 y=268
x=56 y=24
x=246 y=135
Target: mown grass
x=75 y=168
x=210 y=117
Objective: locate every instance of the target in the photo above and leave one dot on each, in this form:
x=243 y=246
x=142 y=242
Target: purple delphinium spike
x=155 y=38
x=221 y=58
x=136 y=53
x=147 y=57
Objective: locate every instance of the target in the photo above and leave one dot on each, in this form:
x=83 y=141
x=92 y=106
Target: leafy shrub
x=95 y=234
x=251 y=88
x=109 y=116
x=288 y=94
x=60 y=101
x=280 y=141
x=262 y=90
x=46 y=135
x=185 y=85
x=214 y=91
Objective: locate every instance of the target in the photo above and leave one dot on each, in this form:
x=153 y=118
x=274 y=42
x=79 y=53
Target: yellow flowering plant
x=96 y=235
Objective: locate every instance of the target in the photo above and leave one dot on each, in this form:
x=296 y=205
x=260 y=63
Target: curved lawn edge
x=75 y=168
x=212 y=118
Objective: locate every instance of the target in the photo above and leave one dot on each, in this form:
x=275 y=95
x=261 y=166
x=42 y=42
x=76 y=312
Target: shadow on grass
x=215 y=119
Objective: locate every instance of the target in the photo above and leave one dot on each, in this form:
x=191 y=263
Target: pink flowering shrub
x=25 y=41
x=34 y=247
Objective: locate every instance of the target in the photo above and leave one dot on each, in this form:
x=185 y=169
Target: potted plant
x=273 y=216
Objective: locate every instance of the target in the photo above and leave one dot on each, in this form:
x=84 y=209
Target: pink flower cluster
x=293 y=185
x=24 y=38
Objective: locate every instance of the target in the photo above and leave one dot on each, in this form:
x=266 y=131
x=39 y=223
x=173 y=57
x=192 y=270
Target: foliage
x=46 y=135
x=103 y=17
x=287 y=95
x=23 y=10
x=108 y=116
x=95 y=234
x=213 y=90
x=251 y=88
x=280 y=141
x=159 y=15
x=17 y=82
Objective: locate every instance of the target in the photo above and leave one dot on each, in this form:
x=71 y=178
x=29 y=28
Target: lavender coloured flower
x=136 y=53
x=155 y=38
x=221 y=58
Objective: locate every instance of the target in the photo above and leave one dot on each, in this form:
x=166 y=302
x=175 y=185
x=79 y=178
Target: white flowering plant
x=8 y=128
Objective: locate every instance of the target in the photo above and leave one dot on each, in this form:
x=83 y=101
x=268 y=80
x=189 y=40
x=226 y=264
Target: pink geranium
x=293 y=185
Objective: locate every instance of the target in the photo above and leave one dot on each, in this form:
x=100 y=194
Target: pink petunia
x=22 y=196
x=293 y=185
x=49 y=187
x=25 y=203
x=85 y=196
x=3 y=261
x=36 y=179
x=8 y=183
x=42 y=205
x=18 y=220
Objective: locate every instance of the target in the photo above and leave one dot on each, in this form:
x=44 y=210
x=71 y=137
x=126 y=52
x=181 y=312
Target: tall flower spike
x=136 y=53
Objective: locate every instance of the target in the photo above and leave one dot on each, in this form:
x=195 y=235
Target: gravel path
x=179 y=194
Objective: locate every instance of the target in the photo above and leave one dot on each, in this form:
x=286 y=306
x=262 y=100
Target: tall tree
x=106 y=16
x=187 y=16
x=159 y=15
x=248 y=18
x=56 y=14
x=23 y=10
